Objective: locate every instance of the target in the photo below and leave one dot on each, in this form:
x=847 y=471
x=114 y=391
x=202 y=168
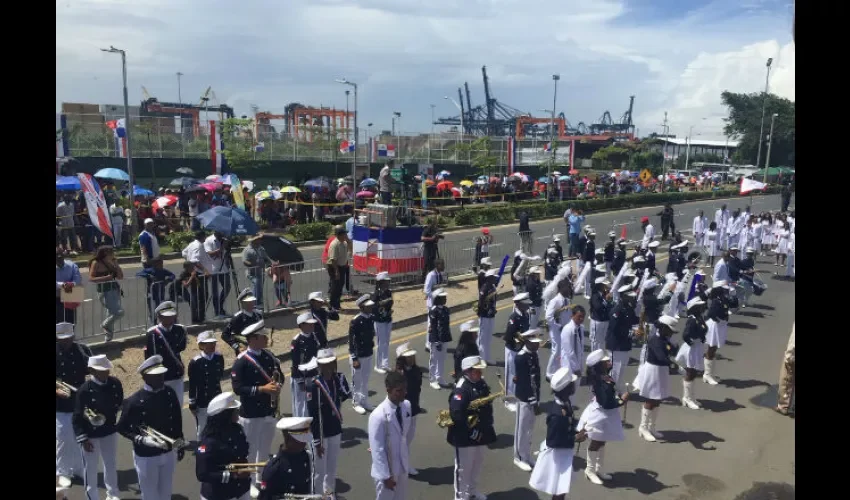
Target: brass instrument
x=276 y=378
x=154 y=434
x=65 y=389
x=95 y=418
x=251 y=467
x=444 y=418
x=640 y=332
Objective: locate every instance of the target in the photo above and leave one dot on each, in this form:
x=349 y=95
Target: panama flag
x=748 y=185
x=219 y=162
x=119 y=131
x=396 y=250
x=511 y=155
x=346 y=147
x=386 y=151
x=547 y=147
x=96 y=204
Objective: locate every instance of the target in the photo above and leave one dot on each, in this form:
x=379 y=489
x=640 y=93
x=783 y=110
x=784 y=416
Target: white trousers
x=485 y=337
x=299 y=397
x=246 y=496
x=510 y=385
x=608 y=272
x=325 y=466
x=117 y=228
x=523 y=429
x=156 y=475
x=555 y=353
x=428 y=304
x=382 y=355
x=68 y=460
x=360 y=381
x=177 y=385
x=436 y=363
x=259 y=433
x=619 y=360
x=104 y=450
x=200 y=421
x=398 y=493
x=468 y=462
x=534 y=316
x=411 y=432
x=588 y=284
x=598 y=329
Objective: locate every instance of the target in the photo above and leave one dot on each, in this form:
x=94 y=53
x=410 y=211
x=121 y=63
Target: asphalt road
x=734 y=448
x=456 y=249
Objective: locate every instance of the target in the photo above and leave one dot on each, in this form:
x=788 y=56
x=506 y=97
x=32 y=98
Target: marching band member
x=712 y=242
x=168 y=339
x=518 y=322
x=556 y=244
x=747 y=267
x=572 y=341
x=439 y=334
x=433 y=280
x=71 y=368
x=290 y=470
x=205 y=372
x=648 y=232
x=767 y=237
x=534 y=287
x=618 y=337
x=406 y=365
x=326 y=392
x=550 y=267
x=102 y=395
x=790 y=269
x=256 y=378
x=654 y=376
x=782 y=235
x=321 y=315
x=601 y=419
x=558 y=313
x=303 y=348
x=156 y=407
x=650 y=256
x=582 y=242
x=589 y=255
x=518 y=279
x=608 y=254
x=699 y=227
x=486 y=264
x=721 y=221
x=361 y=346
x=554 y=468
x=383 y=298
x=247 y=315
x=389 y=425
x=754 y=236
x=467 y=345
x=619 y=257
x=690 y=355
x=718 y=324
x=470 y=442
x=487 y=314
x=733 y=231
x=222 y=443
x=527 y=379
x=600 y=308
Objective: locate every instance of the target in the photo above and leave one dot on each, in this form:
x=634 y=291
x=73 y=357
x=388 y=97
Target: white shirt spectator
x=648 y=234
x=193 y=207
x=195 y=253
x=219 y=264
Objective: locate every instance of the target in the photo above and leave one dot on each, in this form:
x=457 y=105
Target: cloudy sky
x=673 y=55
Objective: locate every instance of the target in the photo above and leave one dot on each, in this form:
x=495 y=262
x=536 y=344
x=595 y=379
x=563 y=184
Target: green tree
x=238 y=145
x=480 y=152
x=744 y=121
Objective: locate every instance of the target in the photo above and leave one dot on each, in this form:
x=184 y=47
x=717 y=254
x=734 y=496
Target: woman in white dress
x=654 y=376
x=691 y=352
x=553 y=470
x=601 y=419
x=755 y=234
x=767 y=232
x=717 y=320
x=782 y=235
x=711 y=242
x=790 y=270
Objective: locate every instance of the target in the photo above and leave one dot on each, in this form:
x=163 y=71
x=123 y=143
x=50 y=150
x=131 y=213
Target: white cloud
x=407 y=54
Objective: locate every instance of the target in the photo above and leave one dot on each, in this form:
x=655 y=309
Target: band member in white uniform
x=487 y=314
x=361 y=348
x=654 y=376
x=721 y=219
x=601 y=419
x=690 y=355
x=435 y=279
x=518 y=323
x=699 y=227
x=205 y=372
x=71 y=368
x=303 y=348
x=405 y=364
x=168 y=339
x=389 y=424
x=572 y=341
x=601 y=304
x=327 y=391
x=527 y=379
x=648 y=232
x=717 y=319
x=558 y=313
x=439 y=335
x=383 y=299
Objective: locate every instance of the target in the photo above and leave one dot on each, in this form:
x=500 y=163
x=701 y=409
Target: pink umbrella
x=211 y=186
x=456 y=192
x=164 y=201
x=365 y=194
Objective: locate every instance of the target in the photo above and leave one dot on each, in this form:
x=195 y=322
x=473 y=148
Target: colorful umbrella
x=186 y=171
x=69 y=183
x=365 y=194
x=543 y=180
x=112 y=173
x=229 y=221
x=466 y=183
x=140 y=191
x=445 y=173
x=456 y=192
x=211 y=186
x=290 y=189
x=368 y=182
x=215 y=178
x=445 y=185
x=164 y=201
x=265 y=195
x=249 y=185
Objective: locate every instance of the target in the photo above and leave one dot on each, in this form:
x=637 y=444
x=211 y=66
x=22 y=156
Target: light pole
x=552 y=146
x=180 y=100
x=431 y=136
x=688 y=146
x=763 y=106
x=347 y=130
x=354 y=162
x=397 y=133
x=769 y=144
x=555 y=79
x=113 y=50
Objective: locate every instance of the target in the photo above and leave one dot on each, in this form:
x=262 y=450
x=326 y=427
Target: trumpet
x=65 y=389
x=95 y=418
x=252 y=467
x=175 y=444
x=276 y=378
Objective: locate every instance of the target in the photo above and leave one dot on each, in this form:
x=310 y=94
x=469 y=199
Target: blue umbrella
x=229 y=221
x=140 y=191
x=368 y=182
x=68 y=183
x=543 y=180
x=112 y=173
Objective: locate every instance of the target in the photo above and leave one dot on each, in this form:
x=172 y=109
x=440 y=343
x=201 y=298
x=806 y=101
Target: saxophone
x=444 y=418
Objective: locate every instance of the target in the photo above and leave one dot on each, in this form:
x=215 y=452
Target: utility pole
x=666 y=131
x=763 y=109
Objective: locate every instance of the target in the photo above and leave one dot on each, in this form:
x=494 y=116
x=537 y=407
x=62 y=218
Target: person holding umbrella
x=256 y=260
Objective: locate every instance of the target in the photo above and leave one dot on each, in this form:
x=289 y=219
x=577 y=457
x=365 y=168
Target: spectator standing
x=197 y=255
x=194 y=209
x=255 y=259
x=160 y=282
x=65 y=220
x=574 y=220
x=190 y=280
x=105 y=271
x=148 y=244
x=385 y=183
x=430 y=237
x=337 y=266
x=216 y=246
x=117 y=215
x=525 y=232
x=67 y=277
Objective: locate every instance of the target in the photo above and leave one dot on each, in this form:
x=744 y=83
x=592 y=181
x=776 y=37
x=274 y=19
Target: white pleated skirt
x=602 y=424
x=553 y=471
x=691 y=356
x=716 y=336
x=653 y=381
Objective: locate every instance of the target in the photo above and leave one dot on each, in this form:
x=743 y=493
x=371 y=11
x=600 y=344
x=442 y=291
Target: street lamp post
x=113 y=50
x=552 y=145
x=431 y=135
x=397 y=133
x=555 y=78
x=354 y=161
x=180 y=100
x=347 y=129
x=763 y=106
x=769 y=144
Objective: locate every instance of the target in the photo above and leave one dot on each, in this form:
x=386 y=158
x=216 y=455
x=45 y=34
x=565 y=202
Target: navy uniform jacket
x=582 y=242
x=460 y=434
x=600 y=309
x=609 y=252
x=653 y=305
x=517 y=324
x=682 y=265
x=287 y=473
x=321 y=332
x=650 y=262
x=561 y=426
x=463 y=351
x=233 y=330
x=551 y=266
x=658 y=350
x=557 y=246
x=105 y=399
x=673 y=263
x=619 y=260
x=481 y=277
x=302 y=349
x=71 y=368
x=439 y=326
x=535 y=293
x=413 y=374
x=383 y=312
x=361 y=337
x=527 y=371
x=329 y=425
x=733 y=264
x=589 y=252
x=605 y=393
x=695 y=329
x=623 y=318
x=718 y=310
x=176 y=338
x=216 y=452
x=246 y=379
x=204 y=379
x=158 y=410
x=487 y=301
x=747 y=264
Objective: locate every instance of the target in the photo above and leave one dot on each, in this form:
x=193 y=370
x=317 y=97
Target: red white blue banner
x=392 y=250
x=219 y=162
x=119 y=130
x=96 y=204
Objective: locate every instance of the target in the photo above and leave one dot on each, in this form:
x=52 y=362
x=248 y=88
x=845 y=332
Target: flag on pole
x=511 y=155
x=386 y=150
x=748 y=185
x=547 y=147
x=96 y=204
x=62 y=149
x=346 y=147
x=219 y=162
x=119 y=131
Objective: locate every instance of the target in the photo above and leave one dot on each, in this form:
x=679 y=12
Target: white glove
x=153 y=443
